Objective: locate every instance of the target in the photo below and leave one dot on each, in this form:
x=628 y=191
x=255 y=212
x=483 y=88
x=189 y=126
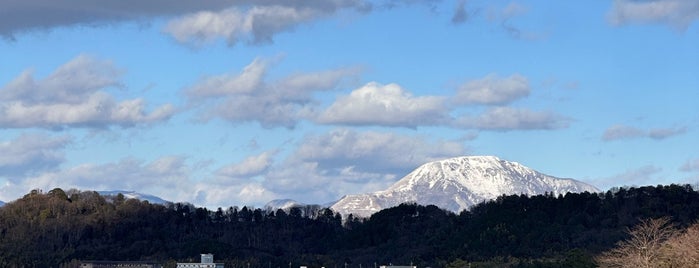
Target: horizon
x=229 y=102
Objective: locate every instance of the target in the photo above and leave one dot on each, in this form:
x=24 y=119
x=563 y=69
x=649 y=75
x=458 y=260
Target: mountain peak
x=459 y=183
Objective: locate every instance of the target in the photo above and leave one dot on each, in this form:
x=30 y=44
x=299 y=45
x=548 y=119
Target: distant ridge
x=458 y=183
x=134 y=195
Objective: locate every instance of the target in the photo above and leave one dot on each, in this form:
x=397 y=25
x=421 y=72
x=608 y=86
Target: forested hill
x=49 y=229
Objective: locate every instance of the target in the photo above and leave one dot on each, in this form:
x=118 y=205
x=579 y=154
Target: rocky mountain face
x=458 y=183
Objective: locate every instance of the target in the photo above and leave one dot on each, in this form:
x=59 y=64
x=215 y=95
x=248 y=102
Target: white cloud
x=167 y=177
x=508 y=118
x=325 y=167
x=73 y=96
x=622 y=132
x=679 y=14
x=492 y=90
x=245 y=82
x=386 y=105
x=250 y=167
x=31 y=154
x=618 y=132
x=248 y=97
x=256 y=24
x=373 y=152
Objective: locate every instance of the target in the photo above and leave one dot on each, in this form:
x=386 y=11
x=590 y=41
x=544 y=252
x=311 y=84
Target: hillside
x=48 y=229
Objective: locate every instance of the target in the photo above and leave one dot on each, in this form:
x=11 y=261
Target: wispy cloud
x=624 y=132
x=509 y=119
x=493 y=90
x=248 y=96
x=31 y=154
x=679 y=14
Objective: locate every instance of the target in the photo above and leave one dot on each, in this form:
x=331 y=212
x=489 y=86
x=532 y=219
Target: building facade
x=207 y=261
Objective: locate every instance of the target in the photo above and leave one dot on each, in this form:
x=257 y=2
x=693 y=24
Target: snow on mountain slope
x=458 y=183
x=134 y=195
x=283 y=204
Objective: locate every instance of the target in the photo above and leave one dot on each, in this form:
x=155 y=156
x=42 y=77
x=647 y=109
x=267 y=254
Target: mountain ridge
x=458 y=183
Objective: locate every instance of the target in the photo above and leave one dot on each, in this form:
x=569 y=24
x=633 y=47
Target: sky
x=238 y=102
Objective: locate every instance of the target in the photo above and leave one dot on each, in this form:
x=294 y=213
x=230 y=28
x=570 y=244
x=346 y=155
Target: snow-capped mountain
x=134 y=195
x=458 y=183
x=283 y=204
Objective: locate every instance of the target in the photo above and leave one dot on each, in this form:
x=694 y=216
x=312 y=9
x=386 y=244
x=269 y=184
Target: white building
x=207 y=261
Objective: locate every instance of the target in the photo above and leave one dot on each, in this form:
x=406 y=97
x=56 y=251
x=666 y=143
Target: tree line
x=61 y=228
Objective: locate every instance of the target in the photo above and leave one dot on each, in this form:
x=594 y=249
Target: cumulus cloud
x=679 y=14
x=623 y=132
x=31 y=154
x=248 y=97
x=508 y=118
x=73 y=95
x=385 y=105
x=493 y=90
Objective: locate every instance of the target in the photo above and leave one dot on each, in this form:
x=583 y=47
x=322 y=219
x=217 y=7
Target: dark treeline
x=61 y=228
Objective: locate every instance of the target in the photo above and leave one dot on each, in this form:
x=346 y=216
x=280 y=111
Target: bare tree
x=683 y=250
x=644 y=248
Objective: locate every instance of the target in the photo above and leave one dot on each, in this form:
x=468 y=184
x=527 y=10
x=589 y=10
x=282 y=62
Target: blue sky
x=223 y=102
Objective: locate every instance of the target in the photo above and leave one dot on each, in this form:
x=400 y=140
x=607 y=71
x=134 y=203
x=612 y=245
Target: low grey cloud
x=248 y=97
x=31 y=154
x=74 y=95
x=28 y=15
x=508 y=118
x=493 y=90
x=678 y=14
x=386 y=105
x=624 y=132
